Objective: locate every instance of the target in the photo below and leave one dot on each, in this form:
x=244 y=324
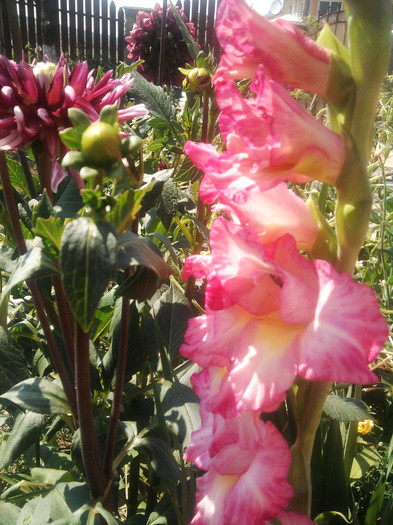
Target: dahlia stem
x=119 y=384
x=20 y=242
x=65 y=318
x=88 y=437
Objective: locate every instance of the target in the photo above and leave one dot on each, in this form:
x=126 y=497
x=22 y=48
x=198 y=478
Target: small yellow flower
x=366 y=426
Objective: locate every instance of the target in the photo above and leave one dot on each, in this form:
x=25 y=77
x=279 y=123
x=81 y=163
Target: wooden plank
x=57 y=26
x=72 y=29
x=112 y=33
x=210 y=32
x=81 y=36
x=39 y=24
x=121 y=43
x=104 y=29
x=96 y=28
x=202 y=24
x=6 y=31
x=194 y=16
x=89 y=36
x=186 y=8
x=31 y=24
x=22 y=23
x=64 y=26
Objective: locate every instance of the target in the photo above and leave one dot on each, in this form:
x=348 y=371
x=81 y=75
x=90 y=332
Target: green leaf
x=162 y=460
x=67 y=199
x=88 y=264
x=71 y=137
x=375 y=504
x=345 y=409
x=17 y=177
x=127 y=207
x=8 y=260
x=87 y=172
x=135 y=251
x=79 y=119
x=109 y=115
x=38 y=395
x=73 y=159
x=156 y=100
x=191 y=44
x=363 y=461
x=50 y=230
x=66 y=499
x=26 y=430
x=169 y=316
x=155 y=518
x=167 y=203
x=8 y=513
x=181 y=409
x=50 y=476
x=13 y=365
x=33 y=265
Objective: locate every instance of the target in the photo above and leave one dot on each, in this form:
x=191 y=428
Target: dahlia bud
x=100 y=144
x=198 y=80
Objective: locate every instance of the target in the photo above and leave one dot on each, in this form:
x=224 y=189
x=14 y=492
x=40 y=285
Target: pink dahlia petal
x=290 y=58
x=347 y=333
x=139 y=110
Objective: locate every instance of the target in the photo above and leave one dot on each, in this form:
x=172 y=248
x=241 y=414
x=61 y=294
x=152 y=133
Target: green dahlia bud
x=197 y=80
x=100 y=144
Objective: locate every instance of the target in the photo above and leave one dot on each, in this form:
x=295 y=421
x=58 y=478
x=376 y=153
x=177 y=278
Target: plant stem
x=89 y=444
x=119 y=384
x=65 y=318
x=27 y=173
x=20 y=242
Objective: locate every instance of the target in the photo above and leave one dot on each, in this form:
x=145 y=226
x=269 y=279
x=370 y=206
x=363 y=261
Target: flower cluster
x=145 y=40
x=35 y=99
x=272 y=313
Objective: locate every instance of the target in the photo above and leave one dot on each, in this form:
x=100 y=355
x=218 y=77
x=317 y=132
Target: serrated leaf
x=167 y=203
x=26 y=430
x=169 y=316
x=8 y=260
x=33 y=265
x=17 y=177
x=50 y=230
x=156 y=100
x=38 y=395
x=345 y=409
x=88 y=264
x=181 y=409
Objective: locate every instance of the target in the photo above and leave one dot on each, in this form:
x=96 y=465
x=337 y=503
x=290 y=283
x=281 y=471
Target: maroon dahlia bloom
x=34 y=101
x=144 y=44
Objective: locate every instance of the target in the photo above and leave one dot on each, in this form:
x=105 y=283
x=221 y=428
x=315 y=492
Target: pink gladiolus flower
x=34 y=101
x=246 y=482
x=249 y=39
x=271 y=213
x=272 y=315
x=270 y=138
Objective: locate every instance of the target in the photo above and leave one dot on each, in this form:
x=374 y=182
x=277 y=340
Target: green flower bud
x=100 y=145
x=197 y=80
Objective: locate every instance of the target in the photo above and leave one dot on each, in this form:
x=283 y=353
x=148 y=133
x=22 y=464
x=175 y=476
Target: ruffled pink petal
x=347 y=333
x=293 y=518
x=249 y=39
x=272 y=213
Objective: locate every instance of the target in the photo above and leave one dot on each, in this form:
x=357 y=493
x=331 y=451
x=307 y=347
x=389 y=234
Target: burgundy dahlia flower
x=34 y=103
x=144 y=44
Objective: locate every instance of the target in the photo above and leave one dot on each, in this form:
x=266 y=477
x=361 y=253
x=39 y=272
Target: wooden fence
x=85 y=29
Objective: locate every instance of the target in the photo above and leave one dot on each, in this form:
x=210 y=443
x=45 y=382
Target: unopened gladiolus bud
x=100 y=144
x=198 y=80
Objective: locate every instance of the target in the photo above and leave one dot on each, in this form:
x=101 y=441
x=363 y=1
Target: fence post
x=50 y=28
x=121 y=43
x=112 y=33
x=14 y=26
